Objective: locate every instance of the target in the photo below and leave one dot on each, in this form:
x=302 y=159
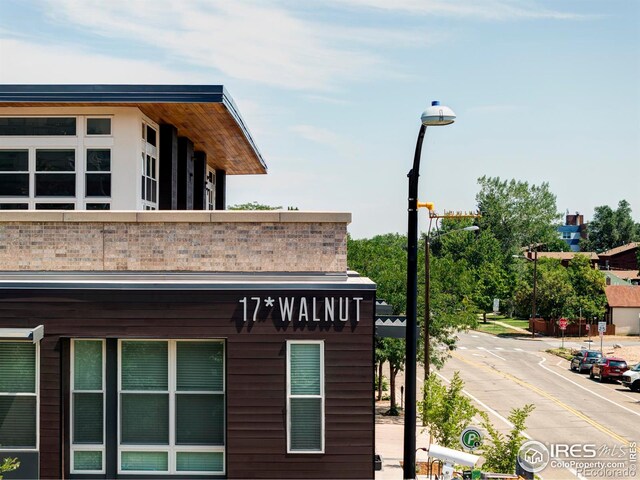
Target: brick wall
x=174 y=241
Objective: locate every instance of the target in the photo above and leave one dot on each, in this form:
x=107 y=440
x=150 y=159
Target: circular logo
x=533 y=456
x=471 y=438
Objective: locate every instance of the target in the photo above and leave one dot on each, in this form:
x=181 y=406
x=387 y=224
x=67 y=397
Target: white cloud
x=250 y=41
x=483 y=9
x=24 y=62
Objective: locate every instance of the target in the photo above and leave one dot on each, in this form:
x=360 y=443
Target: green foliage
x=445 y=412
x=610 y=228
x=516 y=213
x=501 y=451
x=385 y=383
x=253 y=206
x=9 y=465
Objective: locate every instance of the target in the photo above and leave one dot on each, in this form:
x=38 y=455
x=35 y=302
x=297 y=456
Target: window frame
x=87 y=173
x=87 y=447
x=25 y=394
x=98 y=117
x=171 y=448
x=150 y=152
x=321 y=396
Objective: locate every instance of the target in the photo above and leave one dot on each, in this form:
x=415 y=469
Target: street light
x=427 y=290
x=434 y=115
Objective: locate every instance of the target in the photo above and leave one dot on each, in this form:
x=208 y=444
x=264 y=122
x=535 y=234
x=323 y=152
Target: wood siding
x=256 y=369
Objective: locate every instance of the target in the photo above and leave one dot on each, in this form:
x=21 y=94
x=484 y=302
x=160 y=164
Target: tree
x=8 y=465
x=501 y=452
x=610 y=228
x=518 y=214
x=446 y=412
x=588 y=284
x=253 y=206
x=394 y=353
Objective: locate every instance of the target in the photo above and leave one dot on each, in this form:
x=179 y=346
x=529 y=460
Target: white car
x=631 y=378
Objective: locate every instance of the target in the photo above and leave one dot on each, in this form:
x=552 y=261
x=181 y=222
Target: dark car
x=583 y=360
x=610 y=368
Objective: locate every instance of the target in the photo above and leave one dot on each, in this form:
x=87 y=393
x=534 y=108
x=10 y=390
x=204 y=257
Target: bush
x=8 y=465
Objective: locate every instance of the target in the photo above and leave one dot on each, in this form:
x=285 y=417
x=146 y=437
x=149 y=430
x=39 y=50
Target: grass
x=501 y=330
x=493 y=329
x=561 y=352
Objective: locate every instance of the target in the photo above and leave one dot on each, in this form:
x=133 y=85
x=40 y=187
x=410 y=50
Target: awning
x=390 y=326
x=33 y=334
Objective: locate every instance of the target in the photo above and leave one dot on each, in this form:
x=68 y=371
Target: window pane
x=200 y=366
x=144 y=365
x=98 y=185
x=146 y=461
x=87 y=460
x=98 y=126
x=87 y=365
x=38 y=126
x=55 y=206
x=199 y=461
x=98 y=160
x=55 y=160
x=305 y=369
x=14 y=206
x=151 y=136
x=306 y=420
x=87 y=418
x=55 y=185
x=149 y=187
x=98 y=206
x=144 y=418
x=14 y=160
x=18 y=422
x=199 y=419
x=17 y=368
x=14 y=184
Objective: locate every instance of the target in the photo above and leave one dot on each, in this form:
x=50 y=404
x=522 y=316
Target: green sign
x=471 y=438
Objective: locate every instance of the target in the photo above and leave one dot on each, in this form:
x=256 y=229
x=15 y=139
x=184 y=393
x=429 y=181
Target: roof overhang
x=206 y=114
x=34 y=334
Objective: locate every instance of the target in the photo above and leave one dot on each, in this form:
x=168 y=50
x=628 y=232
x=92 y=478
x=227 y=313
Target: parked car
x=609 y=368
x=583 y=360
x=631 y=378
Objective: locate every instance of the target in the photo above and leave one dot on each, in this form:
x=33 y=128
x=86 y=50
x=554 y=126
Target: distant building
x=623 y=308
x=573 y=230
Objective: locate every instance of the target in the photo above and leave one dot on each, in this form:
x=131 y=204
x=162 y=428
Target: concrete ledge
x=174 y=216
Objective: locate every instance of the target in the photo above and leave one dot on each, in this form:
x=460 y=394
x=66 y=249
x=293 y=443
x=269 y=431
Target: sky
x=332 y=91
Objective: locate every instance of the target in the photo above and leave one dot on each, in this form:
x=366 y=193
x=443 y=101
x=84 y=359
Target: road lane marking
x=548 y=396
x=588 y=390
x=475 y=336
x=462 y=348
x=499 y=348
x=477 y=355
x=518 y=349
x=491 y=353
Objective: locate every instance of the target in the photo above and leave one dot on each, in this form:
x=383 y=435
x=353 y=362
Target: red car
x=609 y=367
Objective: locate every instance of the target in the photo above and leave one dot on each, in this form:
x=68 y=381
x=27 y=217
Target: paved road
x=502 y=373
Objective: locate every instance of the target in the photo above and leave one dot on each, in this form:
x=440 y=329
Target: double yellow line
x=547 y=395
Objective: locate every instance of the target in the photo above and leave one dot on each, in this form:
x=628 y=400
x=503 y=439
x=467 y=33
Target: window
x=149 y=157
x=210 y=187
x=55 y=206
x=171 y=406
x=18 y=395
x=566 y=235
x=32 y=126
x=98 y=126
x=87 y=405
x=305 y=397
x=98 y=176
x=97 y=206
x=55 y=173
x=14 y=173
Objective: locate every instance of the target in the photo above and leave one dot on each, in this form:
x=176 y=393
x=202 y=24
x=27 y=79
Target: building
x=623 y=308
x=169 y=344
x=624 y=257
x=573 y=230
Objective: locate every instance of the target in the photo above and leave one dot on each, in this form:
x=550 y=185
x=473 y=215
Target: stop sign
x=562 y=323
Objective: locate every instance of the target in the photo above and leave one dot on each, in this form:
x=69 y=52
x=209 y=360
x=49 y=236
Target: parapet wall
x=220 y=241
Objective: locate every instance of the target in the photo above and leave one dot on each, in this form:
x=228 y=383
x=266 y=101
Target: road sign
x=588 y=327
x=602 y=327
x=471 y=438
x=496 y=305
x=562 y=323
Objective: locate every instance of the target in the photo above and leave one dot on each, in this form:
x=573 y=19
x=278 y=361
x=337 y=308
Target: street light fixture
x=427 y=291
x=435 y=115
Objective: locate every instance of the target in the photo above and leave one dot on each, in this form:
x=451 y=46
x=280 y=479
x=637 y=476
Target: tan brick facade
x=174 y=241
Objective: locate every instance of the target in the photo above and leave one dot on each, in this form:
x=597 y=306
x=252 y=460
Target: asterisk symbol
x=269 y=301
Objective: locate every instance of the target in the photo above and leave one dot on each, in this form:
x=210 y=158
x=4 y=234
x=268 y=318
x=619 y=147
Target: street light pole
x=535 y=284
x=432 y=116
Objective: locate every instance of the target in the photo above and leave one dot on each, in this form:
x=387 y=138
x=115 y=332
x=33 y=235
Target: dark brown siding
x=256 y=369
